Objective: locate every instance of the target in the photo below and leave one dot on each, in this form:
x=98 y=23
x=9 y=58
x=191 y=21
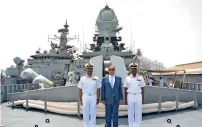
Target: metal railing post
x=200 y=87
x=12 y=87
x=177 y=100
x=78 y=108
x=24 y=86
x=12 y=104
x=197 y=87
x=195 y=101
x=27 y=105
x=28 y=86
x=45 y=104
x=7 y=92
x=159 y=107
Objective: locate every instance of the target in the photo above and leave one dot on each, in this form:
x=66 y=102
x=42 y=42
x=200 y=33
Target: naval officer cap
x=133 y=65
x=88 y=65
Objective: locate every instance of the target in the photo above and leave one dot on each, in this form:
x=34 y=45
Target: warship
x=50 y=67
x=60 y=69
x=62 y=65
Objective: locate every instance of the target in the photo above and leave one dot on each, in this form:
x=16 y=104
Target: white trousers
x=134 y=110
x=89 y=110
x=161 y=85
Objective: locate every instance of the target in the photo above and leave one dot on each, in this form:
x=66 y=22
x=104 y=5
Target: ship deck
x=19 y=117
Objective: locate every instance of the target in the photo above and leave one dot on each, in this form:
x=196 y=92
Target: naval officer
x=161 y=82
x=89 y=94
x=133 y=96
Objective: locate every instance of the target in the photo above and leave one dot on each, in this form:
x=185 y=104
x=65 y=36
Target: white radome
x=107 y=15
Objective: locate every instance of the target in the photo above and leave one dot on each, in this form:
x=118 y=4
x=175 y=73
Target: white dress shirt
x=112 y=80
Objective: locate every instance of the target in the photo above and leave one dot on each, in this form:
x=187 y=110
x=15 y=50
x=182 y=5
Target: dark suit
x=111 y=96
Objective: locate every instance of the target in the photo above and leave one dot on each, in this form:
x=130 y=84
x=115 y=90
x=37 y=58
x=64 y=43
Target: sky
x=169 y=31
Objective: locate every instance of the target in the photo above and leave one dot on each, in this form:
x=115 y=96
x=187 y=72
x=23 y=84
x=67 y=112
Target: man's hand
x=119 y=102
x=103 y=102
x=81 y=102
x=98 y=101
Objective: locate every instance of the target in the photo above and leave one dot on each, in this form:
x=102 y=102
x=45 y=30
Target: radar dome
x=107 y=15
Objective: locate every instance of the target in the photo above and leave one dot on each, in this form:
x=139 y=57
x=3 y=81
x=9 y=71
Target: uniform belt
x=89 y=94
x=135 y=93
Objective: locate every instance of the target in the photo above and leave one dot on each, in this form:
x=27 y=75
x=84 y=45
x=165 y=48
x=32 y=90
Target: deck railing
x=192 y=86
x=13 y=88
x=178 y=96
x=78 y=103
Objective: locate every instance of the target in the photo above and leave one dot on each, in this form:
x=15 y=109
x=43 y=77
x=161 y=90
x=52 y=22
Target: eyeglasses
x=111 y=69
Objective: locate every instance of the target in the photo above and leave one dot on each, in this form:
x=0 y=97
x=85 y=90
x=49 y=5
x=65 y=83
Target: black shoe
x=107 y=126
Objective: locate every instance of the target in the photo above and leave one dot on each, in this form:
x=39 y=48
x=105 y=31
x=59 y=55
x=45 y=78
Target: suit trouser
x=89 y=110
x=134 y=110
x=109 y=110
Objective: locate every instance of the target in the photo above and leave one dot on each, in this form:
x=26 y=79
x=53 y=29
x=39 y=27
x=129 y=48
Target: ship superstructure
x=108 y=43
x=56 y=63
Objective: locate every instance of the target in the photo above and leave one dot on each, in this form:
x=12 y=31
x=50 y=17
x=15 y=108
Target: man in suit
x=111 y=94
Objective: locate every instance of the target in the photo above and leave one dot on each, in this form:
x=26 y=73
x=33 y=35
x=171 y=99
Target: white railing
x=192 y=86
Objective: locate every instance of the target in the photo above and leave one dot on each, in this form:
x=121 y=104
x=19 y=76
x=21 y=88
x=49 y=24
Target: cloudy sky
x=169 y=31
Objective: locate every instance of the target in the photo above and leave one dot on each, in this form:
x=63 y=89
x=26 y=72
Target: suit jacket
x=108 y=93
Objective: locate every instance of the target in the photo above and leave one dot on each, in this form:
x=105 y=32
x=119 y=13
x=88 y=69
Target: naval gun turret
x=107 y=28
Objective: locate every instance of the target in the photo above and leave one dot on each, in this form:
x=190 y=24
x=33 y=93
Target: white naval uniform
x=89 y=86
x=134 y=97
x=161 y=82
x=150 y=82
